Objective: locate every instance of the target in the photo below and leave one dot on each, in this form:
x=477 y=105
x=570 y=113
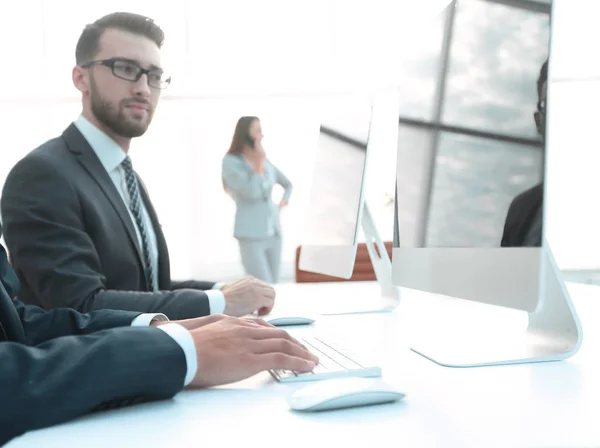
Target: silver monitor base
x=390 y=294
x=586 y=276
x=554 y=332
x=488 y=350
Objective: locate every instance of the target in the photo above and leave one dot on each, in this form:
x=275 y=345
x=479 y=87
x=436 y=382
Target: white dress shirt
x=180 y=334
x=111 y=156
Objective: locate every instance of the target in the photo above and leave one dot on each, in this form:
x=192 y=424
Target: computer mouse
x=280 y=321
x=342 y=393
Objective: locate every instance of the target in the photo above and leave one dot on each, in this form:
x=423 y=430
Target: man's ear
x=81 y=79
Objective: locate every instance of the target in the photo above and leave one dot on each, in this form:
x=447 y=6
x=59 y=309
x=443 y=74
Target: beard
x=114 y=117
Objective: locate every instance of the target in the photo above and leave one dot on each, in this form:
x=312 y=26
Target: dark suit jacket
x=57 y=365
x=520 y=216
x=73 y=243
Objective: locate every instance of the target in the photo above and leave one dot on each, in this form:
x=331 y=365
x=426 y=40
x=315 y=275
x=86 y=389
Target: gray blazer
x=257 y=216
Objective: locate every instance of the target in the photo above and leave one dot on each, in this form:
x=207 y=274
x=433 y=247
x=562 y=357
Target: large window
x=481 y=148
x=467 y=141
x=474 y=183
x=415 y=150
x=495 y=58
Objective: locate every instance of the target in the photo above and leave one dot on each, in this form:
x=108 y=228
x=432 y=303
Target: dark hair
x=543 y=78
x=242 y=131
x=88 y=44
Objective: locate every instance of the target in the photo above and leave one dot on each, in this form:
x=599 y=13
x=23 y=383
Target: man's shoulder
x=50 y=150
x=50 y=160
x=529 y=197
x=51 y=153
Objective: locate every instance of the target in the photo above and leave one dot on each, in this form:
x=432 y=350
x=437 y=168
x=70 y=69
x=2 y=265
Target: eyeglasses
x=130 y=71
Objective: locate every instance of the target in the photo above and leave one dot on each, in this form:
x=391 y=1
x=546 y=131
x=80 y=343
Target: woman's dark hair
x=241 y=134
x=240 y=137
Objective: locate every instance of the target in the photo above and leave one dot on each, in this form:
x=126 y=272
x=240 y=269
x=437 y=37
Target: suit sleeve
x=53 y=253
x=40 y=325
x=284 y=182
x=509 y=224
x=201 y=285
x=69 y=376
x=505 y=233
x=247 y=184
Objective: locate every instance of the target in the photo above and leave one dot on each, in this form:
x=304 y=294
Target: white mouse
x=280 y=321
x=343 y=393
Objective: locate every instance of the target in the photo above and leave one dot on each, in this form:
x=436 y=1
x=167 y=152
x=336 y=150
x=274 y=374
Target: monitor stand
x=586 y=276
x=553 y=333
x=389 y=297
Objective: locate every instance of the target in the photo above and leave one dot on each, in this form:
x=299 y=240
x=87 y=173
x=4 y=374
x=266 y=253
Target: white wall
x=573 y=184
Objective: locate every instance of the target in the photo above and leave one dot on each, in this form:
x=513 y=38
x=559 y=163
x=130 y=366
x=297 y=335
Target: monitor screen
x=471 y=174
x=332 y=216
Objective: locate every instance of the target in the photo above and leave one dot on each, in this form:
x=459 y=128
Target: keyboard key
x=334 y=362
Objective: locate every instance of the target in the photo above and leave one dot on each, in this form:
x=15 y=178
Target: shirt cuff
x=216 y=301
x=218 y=285
x=185 y=340
x=143 y=320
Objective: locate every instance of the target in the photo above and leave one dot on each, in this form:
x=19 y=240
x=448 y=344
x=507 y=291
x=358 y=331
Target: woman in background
x=249 y=177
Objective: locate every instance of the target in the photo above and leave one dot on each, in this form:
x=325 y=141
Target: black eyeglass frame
x=112 y=62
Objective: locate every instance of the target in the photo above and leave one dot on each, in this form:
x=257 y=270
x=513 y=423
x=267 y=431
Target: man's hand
x=283 y=203
x=232 y=349
x=248 y=295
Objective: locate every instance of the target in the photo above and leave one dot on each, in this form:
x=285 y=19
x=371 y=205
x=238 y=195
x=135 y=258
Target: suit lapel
x=86 y=156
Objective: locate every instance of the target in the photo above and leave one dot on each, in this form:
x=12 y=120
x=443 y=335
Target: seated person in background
x=249 y=177
x=524 y=220
x=80 y=227
x=57 y=365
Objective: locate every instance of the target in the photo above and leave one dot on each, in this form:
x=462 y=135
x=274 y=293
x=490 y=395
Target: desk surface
x=533 y=405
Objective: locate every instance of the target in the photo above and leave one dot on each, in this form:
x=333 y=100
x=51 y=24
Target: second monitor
x=338 y=210
x=472 y=227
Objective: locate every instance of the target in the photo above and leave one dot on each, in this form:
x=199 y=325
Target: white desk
x=535 y=405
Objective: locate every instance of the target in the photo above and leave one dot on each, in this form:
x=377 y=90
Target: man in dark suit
x=57 y=365
x=524 y=220
x=80 y=227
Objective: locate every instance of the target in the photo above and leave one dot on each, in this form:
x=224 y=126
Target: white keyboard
x=334 y=362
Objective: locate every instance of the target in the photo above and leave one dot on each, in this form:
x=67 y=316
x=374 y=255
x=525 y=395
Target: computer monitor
x=469 y=224
x=338 y=210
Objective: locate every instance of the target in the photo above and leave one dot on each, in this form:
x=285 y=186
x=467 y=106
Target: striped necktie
x=135 y=206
